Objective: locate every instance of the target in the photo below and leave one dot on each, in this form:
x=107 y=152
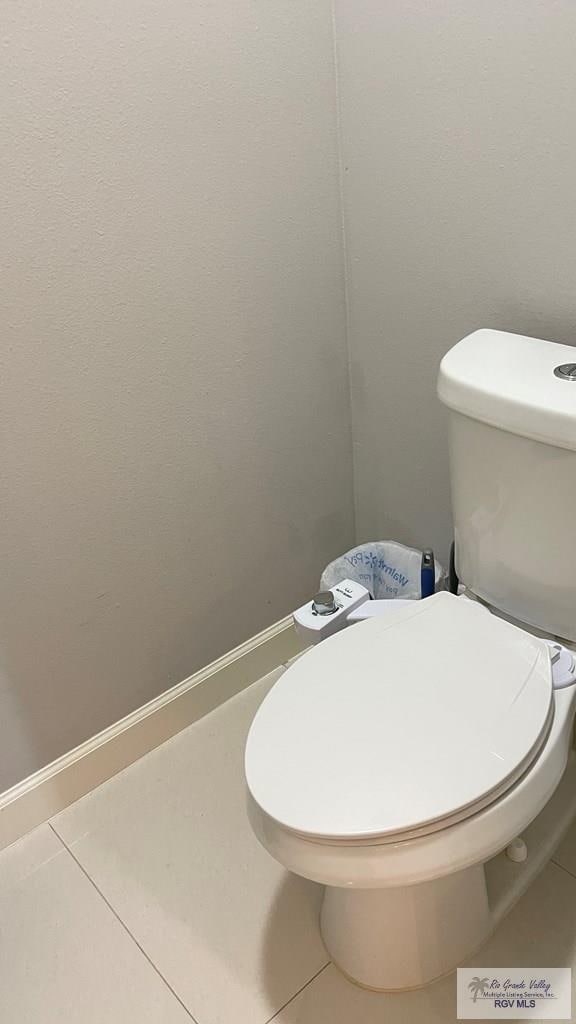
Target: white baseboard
x=50 y=790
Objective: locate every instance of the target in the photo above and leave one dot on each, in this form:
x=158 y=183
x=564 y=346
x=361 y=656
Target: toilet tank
x=512 y=427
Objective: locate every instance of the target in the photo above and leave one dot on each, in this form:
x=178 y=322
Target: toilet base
x=393 y=939
x=405 y=937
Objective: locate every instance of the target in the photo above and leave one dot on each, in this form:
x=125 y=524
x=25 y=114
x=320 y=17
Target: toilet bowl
x=395 y=762
x=395 y=759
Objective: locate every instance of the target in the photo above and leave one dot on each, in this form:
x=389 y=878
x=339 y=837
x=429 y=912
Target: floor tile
x=64 y=956
x=27 y=856
x=540 y=932
x=168 y=843
x=566 y=853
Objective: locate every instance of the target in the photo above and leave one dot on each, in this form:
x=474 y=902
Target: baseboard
x=50 y=790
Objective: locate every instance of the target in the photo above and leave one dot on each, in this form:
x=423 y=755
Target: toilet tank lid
x=508 y=381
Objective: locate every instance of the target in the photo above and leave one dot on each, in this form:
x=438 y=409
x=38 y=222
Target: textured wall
x=175 y=467
x=459 y=148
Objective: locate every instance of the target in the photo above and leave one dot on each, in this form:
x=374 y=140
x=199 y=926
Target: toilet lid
x=398 y=723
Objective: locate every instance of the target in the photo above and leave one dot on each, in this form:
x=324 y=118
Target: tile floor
x=150 y=902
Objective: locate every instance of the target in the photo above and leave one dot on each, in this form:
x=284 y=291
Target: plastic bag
x=387 y=569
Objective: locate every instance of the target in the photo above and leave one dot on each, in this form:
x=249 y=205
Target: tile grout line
x=145 y=954
x=122 y=923
x=68 y=849
x=562 y=868
x=305 y=985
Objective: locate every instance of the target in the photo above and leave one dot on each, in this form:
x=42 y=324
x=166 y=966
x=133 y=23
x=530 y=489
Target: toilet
x=419 y=764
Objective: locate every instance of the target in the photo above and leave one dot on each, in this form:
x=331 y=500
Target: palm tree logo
x=478 y=986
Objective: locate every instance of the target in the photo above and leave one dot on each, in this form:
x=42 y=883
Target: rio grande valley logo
x=539 y=993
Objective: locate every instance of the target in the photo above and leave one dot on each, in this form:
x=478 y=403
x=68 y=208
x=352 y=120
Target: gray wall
x=459 y=155
x=176 y=458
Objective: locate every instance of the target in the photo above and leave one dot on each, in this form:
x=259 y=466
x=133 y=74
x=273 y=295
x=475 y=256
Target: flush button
x=566 y=371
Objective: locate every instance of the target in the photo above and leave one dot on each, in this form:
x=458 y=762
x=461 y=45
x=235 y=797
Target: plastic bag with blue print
x=387 y=569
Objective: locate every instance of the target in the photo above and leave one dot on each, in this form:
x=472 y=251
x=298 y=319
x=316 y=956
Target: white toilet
x=394 y=761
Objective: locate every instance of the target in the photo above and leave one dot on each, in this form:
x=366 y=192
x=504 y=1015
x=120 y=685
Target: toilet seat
x=397 y=728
